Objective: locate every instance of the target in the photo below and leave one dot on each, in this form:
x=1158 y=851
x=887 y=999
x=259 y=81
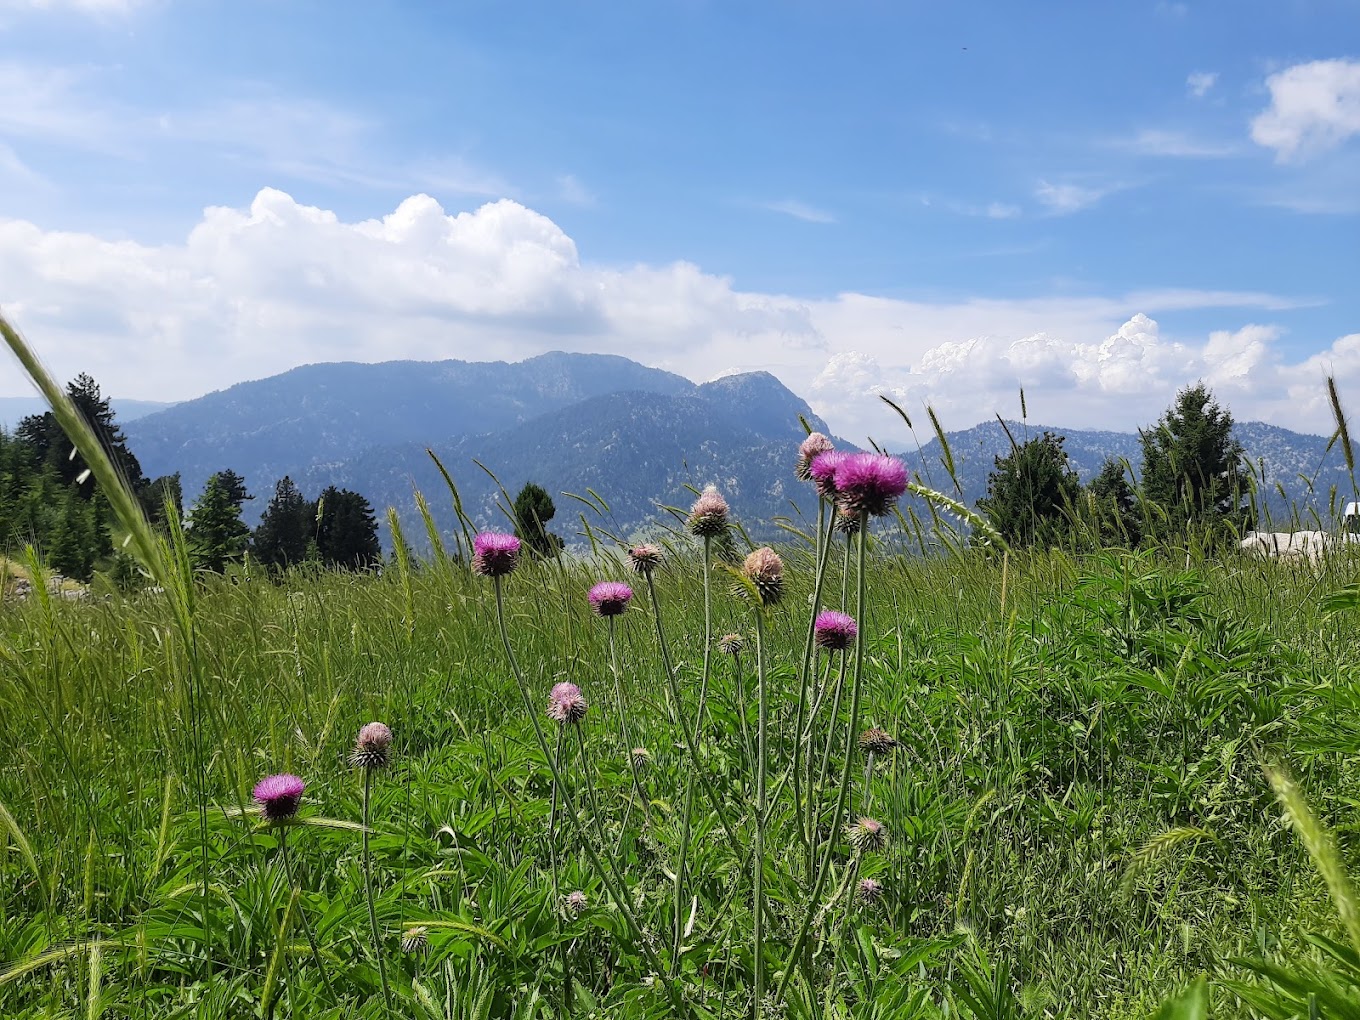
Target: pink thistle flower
x=610 y=598
x=822 y=471
x=869 y=483
x=834 y=631
x=577 y=903
x=708 y=515
x=566 y=704
x=494 y=554
x=370 y=749
x=279 y=796
x=814 y=444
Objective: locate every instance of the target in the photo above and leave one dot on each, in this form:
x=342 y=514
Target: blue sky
x=1099 y=202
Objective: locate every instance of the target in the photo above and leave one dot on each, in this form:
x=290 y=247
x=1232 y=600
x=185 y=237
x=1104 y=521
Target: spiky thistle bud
x=641 y=757
x=645 y=558
x=870 y=890
x=708 y=517
x=867 y=835
x=731 y=644
x=876 y=741
x=765 y=570
x=577 y=903
x=814 y=444
x=416 y=940
x=372 y=746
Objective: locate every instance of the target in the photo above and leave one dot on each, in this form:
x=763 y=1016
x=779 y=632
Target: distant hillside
x=1297 y=463
x=570 y=422
x=14 y=409
x=320 y=414
x=578 y=423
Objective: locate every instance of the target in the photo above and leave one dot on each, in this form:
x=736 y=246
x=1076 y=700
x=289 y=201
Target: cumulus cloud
x=253 y=291
x=1313 y=107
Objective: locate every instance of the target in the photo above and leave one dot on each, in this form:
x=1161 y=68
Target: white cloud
x=1161 y=142
x=254 y=291
x=82 y=6
x=799 y=211
x=1063 y=199
x=1200 y=82
x=1313 y=107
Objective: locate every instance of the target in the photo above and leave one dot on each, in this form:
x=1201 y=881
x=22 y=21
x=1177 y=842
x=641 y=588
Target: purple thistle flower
x=834 y=631
x=869 y=483
x=814 y=444
x=566 y=703
x=610 y=598
x=708 y=515
x=494 y=554
x=822 y=471
x=279 y=796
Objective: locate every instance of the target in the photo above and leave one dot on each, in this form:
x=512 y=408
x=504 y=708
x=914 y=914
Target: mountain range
x=622 y=437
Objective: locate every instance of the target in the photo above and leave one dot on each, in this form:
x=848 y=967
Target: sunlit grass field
x=1077 y=818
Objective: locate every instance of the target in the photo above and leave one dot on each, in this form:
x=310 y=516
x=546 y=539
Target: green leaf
x=1191 y=1004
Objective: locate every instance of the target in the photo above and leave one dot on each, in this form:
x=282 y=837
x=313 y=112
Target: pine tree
x=1032 y=493
x=49 y=444
x=286 y=527
x=1114 y=507
x=347 y=530
x=217 y=534
x=533 y=510
x=1193 y=468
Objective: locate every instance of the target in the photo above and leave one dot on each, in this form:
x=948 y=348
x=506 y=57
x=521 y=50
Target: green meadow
x=1077 y=814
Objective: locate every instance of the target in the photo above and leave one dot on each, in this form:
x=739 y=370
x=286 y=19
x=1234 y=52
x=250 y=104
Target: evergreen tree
x=1193 y=468
x=533 y=510
x=346 y=530
x=286 y=528
x=1032 y=492
x=217 y=534
x=235 y=487
x=49 y=444
x=1114 y=507
x=71 y=549
x=159 y=491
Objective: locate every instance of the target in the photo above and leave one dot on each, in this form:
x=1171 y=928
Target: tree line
x=1194 y=484
x=49 y=499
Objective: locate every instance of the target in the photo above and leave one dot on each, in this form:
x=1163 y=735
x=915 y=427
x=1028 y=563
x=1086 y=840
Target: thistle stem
x=613 y=882
x=368 y=893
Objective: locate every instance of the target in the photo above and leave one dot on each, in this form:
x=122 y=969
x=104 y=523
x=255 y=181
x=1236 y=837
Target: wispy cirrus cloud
x=799 y=210
x=1175 y=144
x=1063 y=198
